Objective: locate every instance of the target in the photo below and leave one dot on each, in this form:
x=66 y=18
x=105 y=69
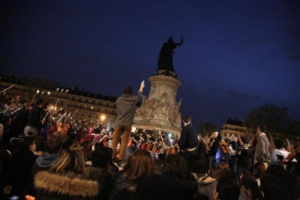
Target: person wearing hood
x=44 y=162
x=66 y=178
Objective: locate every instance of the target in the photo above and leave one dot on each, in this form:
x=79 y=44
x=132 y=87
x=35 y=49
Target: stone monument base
x=160 y=111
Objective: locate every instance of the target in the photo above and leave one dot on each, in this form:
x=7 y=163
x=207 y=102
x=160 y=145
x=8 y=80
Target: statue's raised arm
x=181 y=40
x=165 y=60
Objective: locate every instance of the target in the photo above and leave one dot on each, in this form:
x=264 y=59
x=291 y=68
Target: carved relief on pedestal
x=160 y=109
x=141 y=110
x=162 y=106
x=177 y=113
x=152 y=89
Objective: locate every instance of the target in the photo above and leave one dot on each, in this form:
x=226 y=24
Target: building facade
x=234 y=127
x=80 y=105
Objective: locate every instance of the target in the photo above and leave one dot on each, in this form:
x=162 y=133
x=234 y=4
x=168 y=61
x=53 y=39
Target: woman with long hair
x=138 y=166
x=66 y=178
x=176 y=168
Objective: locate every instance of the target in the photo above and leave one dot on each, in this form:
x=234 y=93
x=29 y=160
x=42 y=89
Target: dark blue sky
x=237 y=55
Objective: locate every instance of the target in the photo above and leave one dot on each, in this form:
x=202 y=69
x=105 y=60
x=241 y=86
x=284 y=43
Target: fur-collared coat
x=67 y=186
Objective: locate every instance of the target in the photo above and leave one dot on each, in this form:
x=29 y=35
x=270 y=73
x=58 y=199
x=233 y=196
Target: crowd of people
x=45 y=157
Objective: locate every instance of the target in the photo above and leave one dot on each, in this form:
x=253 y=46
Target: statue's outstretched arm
x=181 y=41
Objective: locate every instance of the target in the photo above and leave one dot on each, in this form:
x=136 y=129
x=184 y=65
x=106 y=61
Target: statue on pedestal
x=165 y=60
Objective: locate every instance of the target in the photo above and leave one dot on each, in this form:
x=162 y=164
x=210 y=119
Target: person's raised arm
x=142 y=86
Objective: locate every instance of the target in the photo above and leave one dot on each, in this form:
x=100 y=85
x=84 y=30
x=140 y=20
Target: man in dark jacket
x=188 y=141
x=16 y=172
x=34 y=120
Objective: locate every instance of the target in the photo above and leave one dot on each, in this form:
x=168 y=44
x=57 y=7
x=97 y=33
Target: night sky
x=236 y=56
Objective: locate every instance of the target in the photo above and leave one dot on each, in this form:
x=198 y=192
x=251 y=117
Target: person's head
x=261 y=128
x=259 y=169
x=101 y=157
x=245 y=177
x=170 y=40
x=103 y=130
x=224 y=165
x=280 y=172
x=215 y=172
x=273 y=188
x=244 y=140
x=139 y=165
x=227 y=187
x=60 y=135
x=26 y=143
x=234 y=138
x=189 y=185
x=278 y=143
x=174 y=164
x=215 y=133
x=253 y=191
x=23 y=102
x=128 y=90
x=199 y=167
x=39 y=102
x=187 y=119
x=158 y=187
x=45 y=104
x=40 y=144
x=68 y=143
x=53 y=144
x=71 y=159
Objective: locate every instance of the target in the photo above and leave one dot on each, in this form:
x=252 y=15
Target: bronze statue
x=165 y=60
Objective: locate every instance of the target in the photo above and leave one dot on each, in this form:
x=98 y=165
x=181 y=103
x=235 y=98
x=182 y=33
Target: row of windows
x=63 y=95
x=52 y=97
x=92 y=108
x=92 y=101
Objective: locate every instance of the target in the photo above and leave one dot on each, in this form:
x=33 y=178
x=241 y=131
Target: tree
x=292 y=128
x=275 y=118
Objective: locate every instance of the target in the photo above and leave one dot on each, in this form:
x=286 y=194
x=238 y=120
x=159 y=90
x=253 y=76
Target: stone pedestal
x=159 y=110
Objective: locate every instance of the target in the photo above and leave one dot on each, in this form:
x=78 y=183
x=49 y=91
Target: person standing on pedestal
x=126 y=106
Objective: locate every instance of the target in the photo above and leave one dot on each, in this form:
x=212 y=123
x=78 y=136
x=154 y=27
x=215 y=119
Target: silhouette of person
x=165 y=60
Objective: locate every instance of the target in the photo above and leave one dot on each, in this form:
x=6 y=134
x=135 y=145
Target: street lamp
x=102 y=119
